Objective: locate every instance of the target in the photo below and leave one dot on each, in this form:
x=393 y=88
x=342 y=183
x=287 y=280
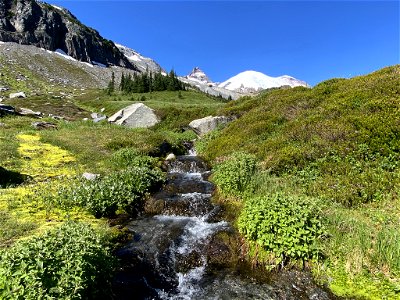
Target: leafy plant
x=285 y=225
x=120 y=190
x=233 y=175
x=70 y=262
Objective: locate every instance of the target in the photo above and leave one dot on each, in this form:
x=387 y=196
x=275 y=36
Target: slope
x=339 y=145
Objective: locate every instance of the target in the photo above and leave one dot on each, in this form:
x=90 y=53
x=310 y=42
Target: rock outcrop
x=135 y=116
x=18 y=95
x=50 y=27
x=207 y=124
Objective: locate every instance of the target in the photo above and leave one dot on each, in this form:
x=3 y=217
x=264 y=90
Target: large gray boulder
x=135 y=116
x=207 y=124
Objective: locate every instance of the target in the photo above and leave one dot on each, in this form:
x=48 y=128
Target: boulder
x=207 y=124
x=170 y=156
x=6 y=110
x=44 y=125
x=17 y=95
x=134 y=116
x=29 y=112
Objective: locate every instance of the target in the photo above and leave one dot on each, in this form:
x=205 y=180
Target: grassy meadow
x=310 y=178
x=334 y=151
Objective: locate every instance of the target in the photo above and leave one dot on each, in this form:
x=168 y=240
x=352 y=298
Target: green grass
x=337 y=143
x=174 y=111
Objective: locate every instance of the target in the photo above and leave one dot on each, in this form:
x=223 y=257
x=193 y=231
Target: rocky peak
x=198 y=75
x=42 y=25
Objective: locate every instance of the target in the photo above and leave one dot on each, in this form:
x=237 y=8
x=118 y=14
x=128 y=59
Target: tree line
x=147 y=82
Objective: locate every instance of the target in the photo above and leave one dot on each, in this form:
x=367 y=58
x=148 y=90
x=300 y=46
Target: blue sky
x=310 y=40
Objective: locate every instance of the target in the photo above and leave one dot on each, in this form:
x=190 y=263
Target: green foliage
x=70 y=262
x=111 y=85
x=285 y=225
x=119 y=190
x=149 y=82
x=12 y=228
x=130 y=157
x=233 y=175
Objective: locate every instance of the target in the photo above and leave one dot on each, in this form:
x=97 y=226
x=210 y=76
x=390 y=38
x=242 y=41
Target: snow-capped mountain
x=143 y=63
x=252 y=81
x=198 y=75
x=198 y=79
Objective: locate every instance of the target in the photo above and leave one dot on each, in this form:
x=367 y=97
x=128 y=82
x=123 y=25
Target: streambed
x=169 y=254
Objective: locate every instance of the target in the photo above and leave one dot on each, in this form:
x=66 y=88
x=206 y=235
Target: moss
x=42 y=160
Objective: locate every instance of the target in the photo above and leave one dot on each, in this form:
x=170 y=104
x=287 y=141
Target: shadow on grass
x=11 y=178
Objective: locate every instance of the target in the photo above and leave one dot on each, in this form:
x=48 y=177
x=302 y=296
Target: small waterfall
x=167 y=256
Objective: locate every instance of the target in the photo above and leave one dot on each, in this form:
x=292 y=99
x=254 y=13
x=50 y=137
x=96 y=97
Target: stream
x=171 y=253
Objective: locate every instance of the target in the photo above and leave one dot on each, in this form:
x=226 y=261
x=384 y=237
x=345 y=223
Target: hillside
x=51 y=27
x=337 y=144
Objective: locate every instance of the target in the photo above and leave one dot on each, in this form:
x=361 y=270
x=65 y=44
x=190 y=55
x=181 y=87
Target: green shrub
x=120 y=190
x=70 y=262
x=287 y=226
x=130 y=157
x=234 y=175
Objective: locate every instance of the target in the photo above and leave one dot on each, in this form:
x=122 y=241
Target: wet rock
x=170 y=156
x=17 y=95
x=44 y=125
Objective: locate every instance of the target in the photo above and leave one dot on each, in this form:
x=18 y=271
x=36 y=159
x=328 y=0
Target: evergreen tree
x=111 y=84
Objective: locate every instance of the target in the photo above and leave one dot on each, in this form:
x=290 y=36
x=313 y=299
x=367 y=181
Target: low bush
x=70 y=262
x=130 y=157
x=287 y=226
x=234 y=175
x=120 y=190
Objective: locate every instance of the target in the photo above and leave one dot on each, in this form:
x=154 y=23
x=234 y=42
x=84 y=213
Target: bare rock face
x=42 y=25
x=135 y=116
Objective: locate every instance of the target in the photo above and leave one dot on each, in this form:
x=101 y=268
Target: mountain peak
x=198 y=75
x=253 y=81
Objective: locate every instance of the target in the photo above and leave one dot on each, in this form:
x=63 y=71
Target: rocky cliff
x=36 y=23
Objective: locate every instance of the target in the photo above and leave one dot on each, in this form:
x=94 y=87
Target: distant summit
x=252 y=81
x=143 y=63
x=198 y=75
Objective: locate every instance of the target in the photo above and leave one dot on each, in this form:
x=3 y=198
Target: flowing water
x=169 y=255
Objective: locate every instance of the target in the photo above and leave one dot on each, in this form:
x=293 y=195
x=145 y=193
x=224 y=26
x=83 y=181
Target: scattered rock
x=28 y=112
x=94 y=115
x=3 y=88
x=85 y=119
x=6 y=110
x=55 y=117
x=101 y=118
x=170 y=156
x=134 y=116
x=102 y=110
x=44 y=125
x=90 y=176
x=17 y=95
x=207 y=124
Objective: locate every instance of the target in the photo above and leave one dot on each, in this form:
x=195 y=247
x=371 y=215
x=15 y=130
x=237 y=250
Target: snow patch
x=62 y=54
x=57 y=7
x=99 y=64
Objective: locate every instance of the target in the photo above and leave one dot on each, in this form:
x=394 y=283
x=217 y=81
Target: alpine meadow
x=121 y=180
